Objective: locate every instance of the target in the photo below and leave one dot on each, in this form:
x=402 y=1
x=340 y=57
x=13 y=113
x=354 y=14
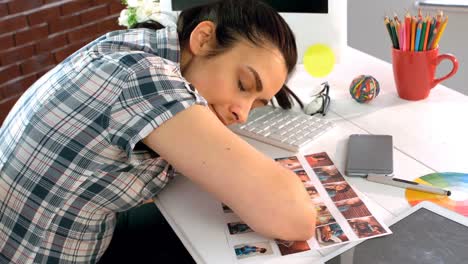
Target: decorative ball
x=319 y=60
x=364 y=88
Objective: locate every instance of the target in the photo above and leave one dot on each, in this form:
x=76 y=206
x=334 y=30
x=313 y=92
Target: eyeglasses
x=320 y=102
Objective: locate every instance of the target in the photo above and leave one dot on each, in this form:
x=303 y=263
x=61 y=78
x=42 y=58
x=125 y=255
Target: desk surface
x=428 y=135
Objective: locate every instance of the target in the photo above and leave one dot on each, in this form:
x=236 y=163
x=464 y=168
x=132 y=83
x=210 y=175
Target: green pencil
x=423 y=34
x=387 y=25
x=394 y=34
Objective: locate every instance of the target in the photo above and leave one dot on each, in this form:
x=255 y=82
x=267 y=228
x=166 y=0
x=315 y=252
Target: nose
x=240 y=113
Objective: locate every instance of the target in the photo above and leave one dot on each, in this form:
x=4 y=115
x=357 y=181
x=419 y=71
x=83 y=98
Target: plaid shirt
x=67 y=157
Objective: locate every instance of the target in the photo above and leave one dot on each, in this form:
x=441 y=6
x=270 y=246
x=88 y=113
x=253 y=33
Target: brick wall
x=36 y=35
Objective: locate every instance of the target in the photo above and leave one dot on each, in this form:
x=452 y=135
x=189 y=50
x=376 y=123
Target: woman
x=68 y=161
x=249 y=250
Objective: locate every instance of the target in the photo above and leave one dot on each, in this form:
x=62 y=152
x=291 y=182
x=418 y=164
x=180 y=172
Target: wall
x=366 y=32
x=36 y=35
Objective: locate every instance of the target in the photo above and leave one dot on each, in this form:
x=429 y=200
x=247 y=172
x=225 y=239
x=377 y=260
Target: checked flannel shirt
x=67 y=157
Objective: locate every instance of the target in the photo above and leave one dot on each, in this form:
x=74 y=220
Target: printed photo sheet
x=342 y=216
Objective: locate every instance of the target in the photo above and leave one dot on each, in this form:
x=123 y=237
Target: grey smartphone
x=369 y=154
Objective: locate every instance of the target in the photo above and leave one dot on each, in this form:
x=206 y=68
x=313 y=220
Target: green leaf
x=132 y=20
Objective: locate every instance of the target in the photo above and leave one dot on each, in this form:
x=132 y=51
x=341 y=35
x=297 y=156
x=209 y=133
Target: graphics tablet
x=426 y=233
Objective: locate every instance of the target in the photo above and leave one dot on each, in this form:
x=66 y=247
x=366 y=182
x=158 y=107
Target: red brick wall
x=36 y=35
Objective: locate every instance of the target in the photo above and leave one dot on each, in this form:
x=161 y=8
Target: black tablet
x=425 y=234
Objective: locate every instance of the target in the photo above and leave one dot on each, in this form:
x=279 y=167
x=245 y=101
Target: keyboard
x=282 y=128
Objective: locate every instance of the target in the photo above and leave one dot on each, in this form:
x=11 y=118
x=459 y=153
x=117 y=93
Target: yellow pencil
x=439 y=34
x=397 y=22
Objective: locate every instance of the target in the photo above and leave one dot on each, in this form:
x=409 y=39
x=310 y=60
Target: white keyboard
x=282 y=128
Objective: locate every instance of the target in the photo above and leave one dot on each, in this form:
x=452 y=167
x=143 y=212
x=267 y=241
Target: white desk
x=429 y=135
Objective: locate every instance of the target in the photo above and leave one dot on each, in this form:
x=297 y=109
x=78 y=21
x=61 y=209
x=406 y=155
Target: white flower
x=123 y=18
x=134 y=3
x=146 y=10
x=139 y=11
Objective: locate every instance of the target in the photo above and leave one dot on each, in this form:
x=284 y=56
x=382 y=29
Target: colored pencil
x=428 y=27
x=434 y=33
x=413 y=32
x=436 y=29
x=439 y=34
x=394 y=35
x=416 y=33
x=387 y=25
x=423 y=35
x=431 y=34
x=418 y=36
x=402 y=37
x=407 y=31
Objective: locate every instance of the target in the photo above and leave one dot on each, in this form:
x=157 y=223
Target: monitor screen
x=297 y=6
x=312 y=21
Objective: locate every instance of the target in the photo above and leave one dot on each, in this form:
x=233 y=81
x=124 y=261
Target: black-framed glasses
x=321 y=99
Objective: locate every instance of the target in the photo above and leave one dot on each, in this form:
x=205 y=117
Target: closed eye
x=241 y=87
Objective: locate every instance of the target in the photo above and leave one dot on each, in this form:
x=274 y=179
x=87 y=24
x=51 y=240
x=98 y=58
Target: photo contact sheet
x=342 y=216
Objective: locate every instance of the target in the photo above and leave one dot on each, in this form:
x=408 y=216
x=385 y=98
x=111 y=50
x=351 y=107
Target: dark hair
x=263 y=250
x=151 y=24
x=252 y=20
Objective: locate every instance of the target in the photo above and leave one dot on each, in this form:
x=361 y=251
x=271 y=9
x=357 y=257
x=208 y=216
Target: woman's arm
x=268 y=197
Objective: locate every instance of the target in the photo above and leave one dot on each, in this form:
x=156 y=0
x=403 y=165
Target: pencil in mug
x=413 y=32
x=402 y=37
x=387 y=25
x=395 y=34
x=431 y=34
x=396 y=24
x=435 y=32
x=423 y=34
x=439 y=34
x=427 y=29
x=407 y=31
x=418 y=35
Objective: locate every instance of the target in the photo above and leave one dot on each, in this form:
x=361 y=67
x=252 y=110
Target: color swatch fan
x=457 y=183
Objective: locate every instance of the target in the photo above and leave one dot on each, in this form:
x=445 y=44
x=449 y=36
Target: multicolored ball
x=364 y=88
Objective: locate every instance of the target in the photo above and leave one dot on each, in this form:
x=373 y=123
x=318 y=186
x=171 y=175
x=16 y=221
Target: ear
x=203 y=38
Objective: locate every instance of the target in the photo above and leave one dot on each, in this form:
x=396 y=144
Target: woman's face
x=340 y=187
x=237 y=80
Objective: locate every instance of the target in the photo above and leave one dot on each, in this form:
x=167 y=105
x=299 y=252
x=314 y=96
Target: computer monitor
x=313 y=21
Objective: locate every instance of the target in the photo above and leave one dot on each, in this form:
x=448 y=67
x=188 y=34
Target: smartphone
x=369 y=154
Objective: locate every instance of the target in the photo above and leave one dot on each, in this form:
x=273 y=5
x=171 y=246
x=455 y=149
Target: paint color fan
x=457 y=183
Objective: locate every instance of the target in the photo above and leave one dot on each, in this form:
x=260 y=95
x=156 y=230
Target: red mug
x=414 y=72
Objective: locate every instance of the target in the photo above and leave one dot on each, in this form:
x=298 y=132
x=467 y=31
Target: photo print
x=352 y=208
x=324 y=216
x=311 y=190
x=238 y=228
x=366 y=226
x=339 y=191
x=328 y=174
x=318 y=160
x=330 y=234
x=291 y=163
x=302 y=175
x=290 y=247
x=249 y=250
